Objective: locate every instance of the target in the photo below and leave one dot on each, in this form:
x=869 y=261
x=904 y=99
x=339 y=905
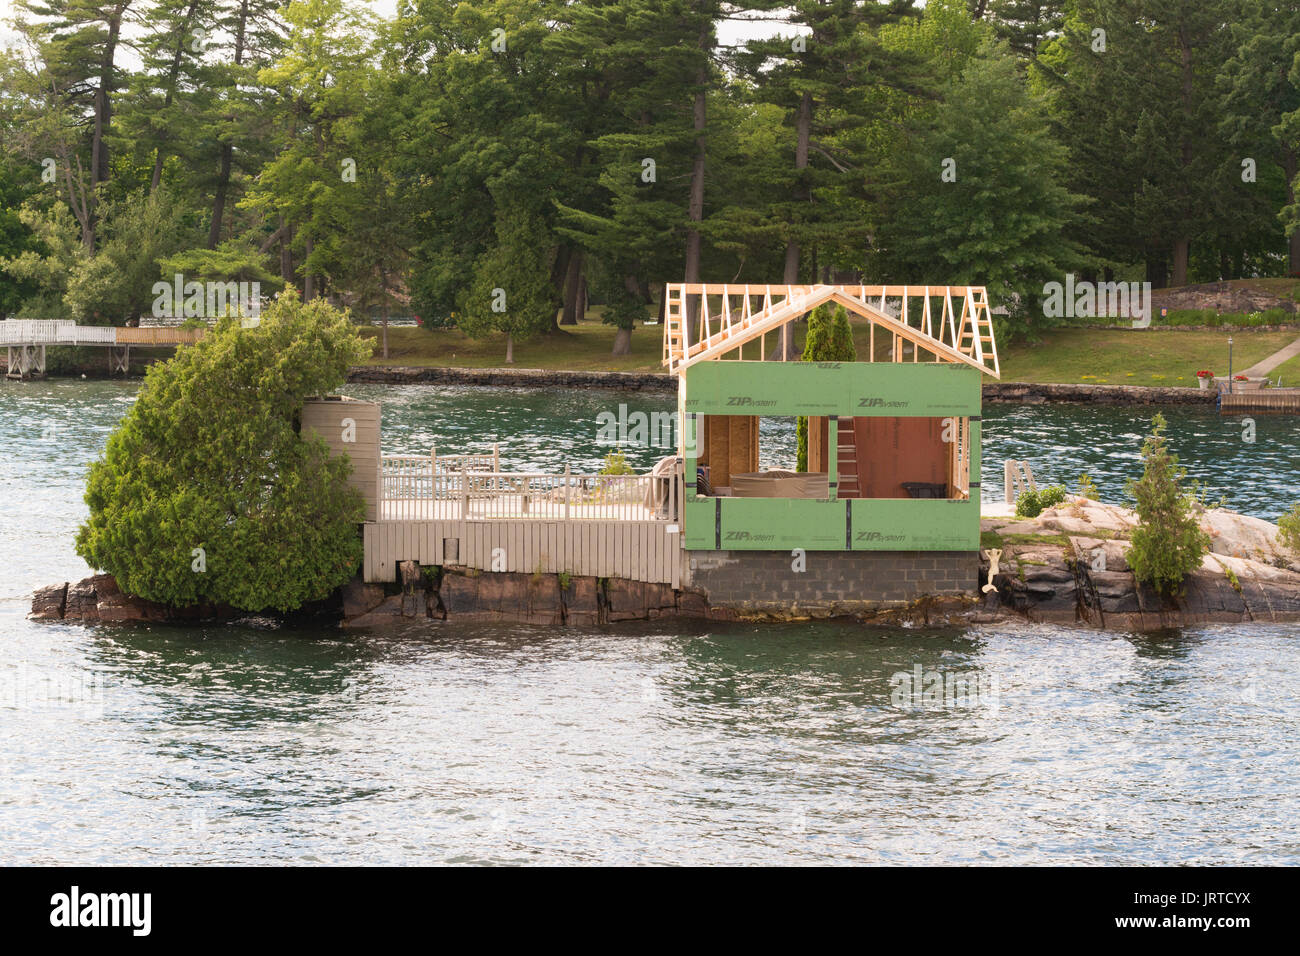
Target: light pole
x=1229 y=364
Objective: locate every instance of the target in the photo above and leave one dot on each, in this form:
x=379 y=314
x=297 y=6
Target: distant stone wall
x=512 y=377
x=1031 y=393
x=1024 y=392
x=833 y=582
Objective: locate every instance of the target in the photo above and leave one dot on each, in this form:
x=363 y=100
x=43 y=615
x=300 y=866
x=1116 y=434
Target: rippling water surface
x=657 y=743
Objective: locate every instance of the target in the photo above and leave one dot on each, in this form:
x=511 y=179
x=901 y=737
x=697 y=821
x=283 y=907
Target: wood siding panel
x=891 y=451
x=634 y=550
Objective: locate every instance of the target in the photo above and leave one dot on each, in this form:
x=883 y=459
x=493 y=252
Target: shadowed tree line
x=501 y=164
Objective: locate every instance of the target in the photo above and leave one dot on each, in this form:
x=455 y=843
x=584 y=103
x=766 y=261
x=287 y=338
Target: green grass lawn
x=1289 y=372
x=1138 y=356
x=584 y=347
x=1097 y=356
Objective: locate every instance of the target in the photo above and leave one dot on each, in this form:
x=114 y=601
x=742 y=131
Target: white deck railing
x=486 y=461
x=66 y=332
x=416 y=487
x=53 y=332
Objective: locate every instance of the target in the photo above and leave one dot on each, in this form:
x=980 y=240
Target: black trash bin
x=925 y=489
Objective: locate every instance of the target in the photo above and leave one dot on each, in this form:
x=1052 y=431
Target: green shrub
x=1210 y=317
x=208 y=493
x=616 y=464
x=1030 y=504
x=1168 y=542
x=1288 y=527
x=1087 y=489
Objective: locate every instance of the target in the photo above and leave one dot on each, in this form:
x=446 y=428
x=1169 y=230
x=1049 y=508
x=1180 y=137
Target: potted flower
x=1204 y=377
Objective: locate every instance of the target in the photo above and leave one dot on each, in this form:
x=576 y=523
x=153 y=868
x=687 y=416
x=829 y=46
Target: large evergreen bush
x=208 y=493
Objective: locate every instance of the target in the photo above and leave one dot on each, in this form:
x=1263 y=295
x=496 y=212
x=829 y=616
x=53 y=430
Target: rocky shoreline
x=1067 y=566
x=511 y=377
x=1017 y=392
x=1026 y=393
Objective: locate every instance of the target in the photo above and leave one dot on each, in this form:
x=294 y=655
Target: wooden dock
x=27 y=339
x=1280 y=401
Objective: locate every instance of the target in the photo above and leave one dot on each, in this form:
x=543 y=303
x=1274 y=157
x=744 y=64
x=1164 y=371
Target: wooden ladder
x=975 y=330
x=674 y=324
x=846 y=448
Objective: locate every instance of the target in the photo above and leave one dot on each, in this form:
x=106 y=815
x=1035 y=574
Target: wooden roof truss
x=952 y=323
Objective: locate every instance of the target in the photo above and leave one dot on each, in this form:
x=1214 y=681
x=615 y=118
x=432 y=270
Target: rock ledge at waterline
x=1067 y=566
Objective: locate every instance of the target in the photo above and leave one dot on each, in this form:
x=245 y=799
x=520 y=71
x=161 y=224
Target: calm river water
x=653 y=744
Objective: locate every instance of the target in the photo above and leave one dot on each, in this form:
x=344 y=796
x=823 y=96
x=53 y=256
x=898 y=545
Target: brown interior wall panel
x=743 y=444
x=817 y=431
x=729 y=446
x=894 y=450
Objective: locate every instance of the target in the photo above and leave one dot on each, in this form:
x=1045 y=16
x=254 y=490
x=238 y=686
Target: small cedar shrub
x=1030 y=504
x=616 y=463
x=1288 y=527
x=1168 y=543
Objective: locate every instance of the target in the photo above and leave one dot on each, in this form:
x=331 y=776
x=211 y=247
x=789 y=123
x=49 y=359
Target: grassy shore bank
x=1068 y=356
x=1137 y=356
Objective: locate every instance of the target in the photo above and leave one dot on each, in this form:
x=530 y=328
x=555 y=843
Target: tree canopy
x=566 y=149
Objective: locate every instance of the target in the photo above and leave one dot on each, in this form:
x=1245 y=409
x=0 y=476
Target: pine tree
x=1026 y=24
x=79 y=44
x=631 y=227
x=511 y=290
x=978 y=197
x=1168 y=543
x=824 y=78
x=1147 y=163
x=1261 y=118
x=829 y=339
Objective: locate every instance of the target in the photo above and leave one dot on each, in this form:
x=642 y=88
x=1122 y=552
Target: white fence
x=414 y=488
x=54 y=332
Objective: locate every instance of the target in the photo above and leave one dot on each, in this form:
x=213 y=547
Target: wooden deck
x=19 y=332
x=513 y=507
x=459 y=510
x=1275 y=400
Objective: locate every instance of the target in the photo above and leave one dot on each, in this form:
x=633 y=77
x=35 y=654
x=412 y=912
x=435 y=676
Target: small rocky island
x=1066 y=566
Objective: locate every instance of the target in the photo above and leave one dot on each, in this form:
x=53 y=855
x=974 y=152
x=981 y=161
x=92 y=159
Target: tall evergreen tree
x=79 y=42
x=1261 y=109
